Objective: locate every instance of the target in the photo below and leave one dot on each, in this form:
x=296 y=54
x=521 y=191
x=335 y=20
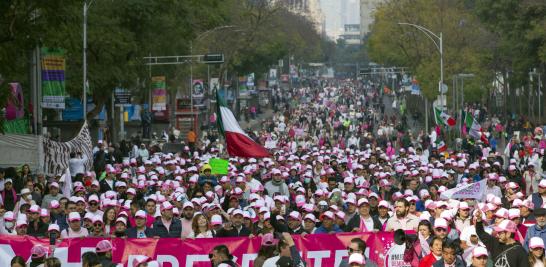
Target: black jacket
x=515 y=254
x=233 y=232
x=458 y=263
x=104 y=186
x=355 y=223
x=174 y=231
x=132 y=232
x=105 y=262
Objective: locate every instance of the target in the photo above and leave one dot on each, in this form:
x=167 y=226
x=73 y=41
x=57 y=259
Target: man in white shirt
x=77 y=163
x=492 y=187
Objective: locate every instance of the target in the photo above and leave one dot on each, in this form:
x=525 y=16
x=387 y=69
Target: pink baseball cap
x=440 y=223
x=536 y=242
x=103 y=246
x=479 y=251
x=269 y=240
x=140 y=214
x=216 y=220
x=74 y=216
x=357 y=258
x=38 y=251
x=505 y=226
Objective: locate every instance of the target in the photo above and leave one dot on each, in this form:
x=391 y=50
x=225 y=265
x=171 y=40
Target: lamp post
x=86 y=7
x=438 y=41
x=457 y=78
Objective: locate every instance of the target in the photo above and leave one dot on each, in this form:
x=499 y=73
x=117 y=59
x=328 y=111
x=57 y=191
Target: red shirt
x=428 y=260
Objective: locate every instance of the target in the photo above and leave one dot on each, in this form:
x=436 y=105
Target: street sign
x=213 y=58
x=443 y=88
x=122 y=96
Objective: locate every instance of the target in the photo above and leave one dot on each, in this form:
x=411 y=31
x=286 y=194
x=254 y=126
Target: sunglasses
x=441 y=230
x=354 y=250
x=97 y=224
x=93 y=203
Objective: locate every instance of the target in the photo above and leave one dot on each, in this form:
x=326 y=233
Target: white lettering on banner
x=318 y=256
x=6 y=252
x=247 y=259
x=168 y=258
x=190 y=259
x=62 y=255
x=131 y=258
x=339 y=256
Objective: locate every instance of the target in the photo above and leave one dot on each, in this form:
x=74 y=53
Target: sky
x=338 y=13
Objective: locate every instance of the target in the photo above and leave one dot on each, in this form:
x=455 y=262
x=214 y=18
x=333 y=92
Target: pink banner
x=317 y=249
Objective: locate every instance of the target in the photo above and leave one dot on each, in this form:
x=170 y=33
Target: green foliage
x=465 y=41
x=121 y=33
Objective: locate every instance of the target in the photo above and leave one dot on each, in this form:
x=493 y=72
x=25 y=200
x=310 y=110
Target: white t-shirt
x=69 y=233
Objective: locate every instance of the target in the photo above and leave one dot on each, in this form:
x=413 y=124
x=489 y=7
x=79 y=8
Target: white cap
x=536 y=242
x=357 y=258
x=479 y=251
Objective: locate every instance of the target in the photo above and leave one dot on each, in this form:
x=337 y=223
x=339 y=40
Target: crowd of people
x=341 y=161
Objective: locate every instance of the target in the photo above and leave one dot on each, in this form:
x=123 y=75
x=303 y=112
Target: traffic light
x=213 y=58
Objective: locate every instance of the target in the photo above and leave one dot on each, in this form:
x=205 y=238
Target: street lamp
x=439 y=43
x=86 y=7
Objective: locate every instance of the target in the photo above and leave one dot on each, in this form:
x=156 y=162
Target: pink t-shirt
x=186 y=227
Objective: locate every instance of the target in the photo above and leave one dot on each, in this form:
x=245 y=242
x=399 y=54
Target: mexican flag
x=238 y=143
x=474 y=128
x=443 y=118
x=441 y=146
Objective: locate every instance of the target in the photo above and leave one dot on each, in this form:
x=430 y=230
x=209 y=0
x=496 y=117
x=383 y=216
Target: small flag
x=238 y=143
x=443 y=118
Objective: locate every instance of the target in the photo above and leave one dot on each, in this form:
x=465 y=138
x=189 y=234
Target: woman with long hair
x=267 y=250
x=201 y=227
x=109 y=219
x=536 y=252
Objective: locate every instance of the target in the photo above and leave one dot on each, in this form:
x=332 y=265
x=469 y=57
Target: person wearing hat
x=276 y=185
x=536 y=252
x=267 y=249
x=104 y=251
x=206 y=176
x=538 y=229
x=505 y=250
x=52 y=195
x=356 y=246
x=328 y=226
x=140 y=230
x=235 y=227
x=288 y=253
x=538 y=196
x=107 y=184
x=9 y=195
x=531 y=178
x=167 y=225
x=363 y=221
x=480 y=257
x=38 y=254
x=75 y=228
x=36 y=227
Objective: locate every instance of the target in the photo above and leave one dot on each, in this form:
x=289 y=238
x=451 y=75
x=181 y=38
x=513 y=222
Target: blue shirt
x=322 y=230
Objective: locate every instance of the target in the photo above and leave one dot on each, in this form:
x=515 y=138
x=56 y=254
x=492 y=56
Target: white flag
x=473 y=190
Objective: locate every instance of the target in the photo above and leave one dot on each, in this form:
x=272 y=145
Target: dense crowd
x=341 y=161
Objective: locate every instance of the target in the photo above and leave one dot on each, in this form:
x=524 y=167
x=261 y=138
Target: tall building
x=310 y=9
x=367 y=9
x=337 y=14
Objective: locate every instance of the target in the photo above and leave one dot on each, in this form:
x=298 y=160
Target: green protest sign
x=219 y=166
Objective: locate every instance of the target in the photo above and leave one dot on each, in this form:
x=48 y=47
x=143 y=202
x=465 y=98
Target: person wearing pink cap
x=277 y=185
x=363 y=221
x=167 y=225
x=538 y=229
x=38 y=254
x=505 y=250
x=536 y=252
x=104 y=251
x=328 y=226
x=480 y=257
x=75 y=229
x=538 y=196
x=234 y=227
x=52 y=195
x=140 y=229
